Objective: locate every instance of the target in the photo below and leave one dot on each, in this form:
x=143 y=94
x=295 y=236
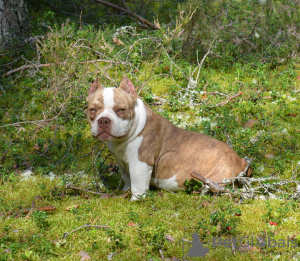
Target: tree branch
x=141 y=19
x=32 y=66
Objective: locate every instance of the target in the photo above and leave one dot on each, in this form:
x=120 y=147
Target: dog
x=151 y=150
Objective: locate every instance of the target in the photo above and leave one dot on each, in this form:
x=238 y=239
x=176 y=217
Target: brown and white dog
x=148 y=148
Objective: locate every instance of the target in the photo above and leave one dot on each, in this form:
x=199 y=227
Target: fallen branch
x=103 y=194
x=84 y=226
x=214 y=186
x=2 y=157
x=32 y=66
x=86 y=190
x=25 y=67
x=21 y=122
x=141 y=19
x=253 y=187
x=229 y=99
x=27 y=210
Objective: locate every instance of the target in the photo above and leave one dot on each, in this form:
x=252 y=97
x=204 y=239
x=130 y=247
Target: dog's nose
x=104 y=122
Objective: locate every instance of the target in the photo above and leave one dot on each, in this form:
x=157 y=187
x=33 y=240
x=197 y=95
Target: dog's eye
x=120 y=110
x=92 y=110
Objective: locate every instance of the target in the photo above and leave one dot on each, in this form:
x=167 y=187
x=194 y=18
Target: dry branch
x=86 y=190
x=141 y=19
x=84 y=226
x=25 y=67
x=103 y=194
x=32 y=66
x=229 y=99
x=27 y=210
x=2 y=157
x=214 y=186
x=253 y=187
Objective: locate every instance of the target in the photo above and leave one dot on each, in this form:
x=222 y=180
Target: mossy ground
x=137 y=229
x=44 y=128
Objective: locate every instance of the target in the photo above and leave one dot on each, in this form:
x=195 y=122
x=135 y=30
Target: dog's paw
x=138 y=197
x=126 y=188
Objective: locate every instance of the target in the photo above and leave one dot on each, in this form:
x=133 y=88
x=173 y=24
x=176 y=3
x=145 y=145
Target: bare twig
x=84 y=226
x=24 y=67
x=228 y=139
x=86 y=190
x=49 y=144
x=65 y=154
x=161 y=254
x=252 y=186
x=5 y=152
x=27 y=210
x=212 y=185
x=229 y=99
x=2 y=88
x=141 y=19
x=219 y=93
x=203 y=59
x=32 y=66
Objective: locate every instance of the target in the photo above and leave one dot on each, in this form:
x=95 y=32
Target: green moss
x=140 y=225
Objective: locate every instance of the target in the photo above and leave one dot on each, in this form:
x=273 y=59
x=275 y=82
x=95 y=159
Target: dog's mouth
x=105 y=136
x=108 y=137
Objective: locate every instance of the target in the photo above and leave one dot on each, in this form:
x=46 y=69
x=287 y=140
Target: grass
x=136 y=229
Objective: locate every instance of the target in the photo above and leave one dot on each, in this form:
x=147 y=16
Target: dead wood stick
x=32 y=66
x=88 y=191
x=141 y=19
x=2 y=157
x=103 y=194
x=84 y=226
x=213 y=185
x=25 y=67
x=229 y=99
x=27 y=210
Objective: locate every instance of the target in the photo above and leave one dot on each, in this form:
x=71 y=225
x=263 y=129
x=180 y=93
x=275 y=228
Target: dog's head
x=111 y=111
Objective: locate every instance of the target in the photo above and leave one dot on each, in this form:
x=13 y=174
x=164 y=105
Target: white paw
x=138 y=196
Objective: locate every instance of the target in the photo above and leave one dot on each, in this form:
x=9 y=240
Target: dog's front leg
x=140 y=175
x=124 y=174
x=126 y=179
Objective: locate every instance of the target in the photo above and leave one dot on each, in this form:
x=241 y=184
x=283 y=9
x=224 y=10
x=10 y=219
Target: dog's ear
x=127 y=86
x=95 y=86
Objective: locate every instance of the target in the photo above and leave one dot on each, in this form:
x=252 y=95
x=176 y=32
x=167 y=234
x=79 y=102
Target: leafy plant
x=153 y=236
x=40 y=219
x=192 y=185
x=116 y=238
x=225 y=221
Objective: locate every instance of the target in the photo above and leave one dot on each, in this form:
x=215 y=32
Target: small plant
x=153 y=236
x=40 y=219
x=192 y=185
x=275 y=216
x=116 y=239
x=133 y=216
x=224 y=221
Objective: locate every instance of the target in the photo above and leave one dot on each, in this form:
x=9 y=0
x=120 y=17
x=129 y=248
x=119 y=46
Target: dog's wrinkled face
x=111 y=112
